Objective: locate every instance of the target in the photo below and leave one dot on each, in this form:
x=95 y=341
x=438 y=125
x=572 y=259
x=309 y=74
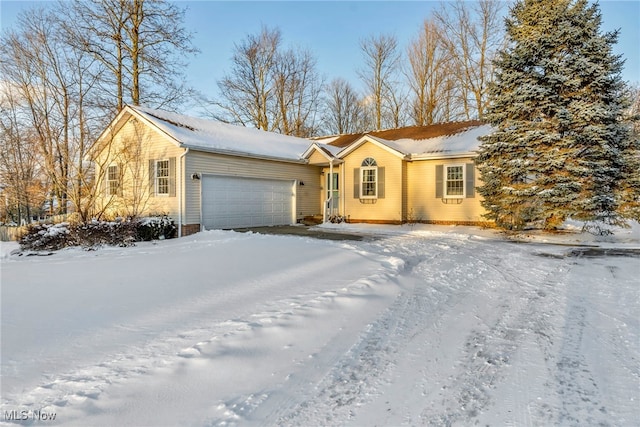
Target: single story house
x=207 y=174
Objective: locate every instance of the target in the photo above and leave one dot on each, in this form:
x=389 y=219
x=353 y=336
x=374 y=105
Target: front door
x=333 y=194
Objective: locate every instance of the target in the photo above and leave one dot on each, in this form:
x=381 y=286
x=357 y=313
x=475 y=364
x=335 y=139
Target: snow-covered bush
x=155 y=228
x=42 y=237
x=97 y=233
x=122 y=232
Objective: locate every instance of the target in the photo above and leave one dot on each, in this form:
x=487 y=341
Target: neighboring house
x=208 y=174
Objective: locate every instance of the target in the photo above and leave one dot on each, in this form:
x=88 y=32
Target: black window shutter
x=172 y=177
x=380 y=183
x=470 y=184
x=152 y=177
x=356 y=183
x=439 y=181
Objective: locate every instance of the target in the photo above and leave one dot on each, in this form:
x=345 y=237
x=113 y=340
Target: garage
x=235 y=202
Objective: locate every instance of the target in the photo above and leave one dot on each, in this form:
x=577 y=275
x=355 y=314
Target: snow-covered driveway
x=434 y=326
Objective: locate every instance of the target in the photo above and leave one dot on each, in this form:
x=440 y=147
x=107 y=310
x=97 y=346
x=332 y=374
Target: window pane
x=162 y=168
x=113 y=173
x=454 y=188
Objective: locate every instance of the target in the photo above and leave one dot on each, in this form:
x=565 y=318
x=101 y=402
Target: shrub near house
x=97 y=233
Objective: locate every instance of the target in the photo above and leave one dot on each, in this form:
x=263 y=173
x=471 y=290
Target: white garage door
x=232 y=202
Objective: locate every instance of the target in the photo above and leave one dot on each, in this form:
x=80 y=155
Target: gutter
x=245 y=154
x=437 y=156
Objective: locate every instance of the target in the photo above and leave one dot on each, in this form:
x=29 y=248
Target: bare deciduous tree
x=141 y=43
x=472 y=33
x=271 y=89
x=19 y=172
x=427 y=72
x=35 y=62
x=343 y=112
x=248 y=89
x=381 y=59
x=297 y=91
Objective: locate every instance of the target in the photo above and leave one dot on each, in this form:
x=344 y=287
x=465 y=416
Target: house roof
x=453 y=139
x=214 y=136
x=328 y=151
x=410 y=132
x=418 y=142
x=462 y=143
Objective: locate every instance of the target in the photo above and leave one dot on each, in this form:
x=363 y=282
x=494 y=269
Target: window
x=369 y=179
x=454 y=181
x=113 y=180
x=162 y=177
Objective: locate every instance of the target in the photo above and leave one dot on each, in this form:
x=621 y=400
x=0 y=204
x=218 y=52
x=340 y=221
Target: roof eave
x=437 y=156
x=372 y=139
x=243 y=154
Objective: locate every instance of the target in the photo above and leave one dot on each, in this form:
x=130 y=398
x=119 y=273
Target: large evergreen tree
x=561 y=148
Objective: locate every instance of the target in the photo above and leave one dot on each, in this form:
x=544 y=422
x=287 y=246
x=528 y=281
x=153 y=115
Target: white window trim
x=109 y=181
x=445 y=173
x=375 y=181
x=157 y=178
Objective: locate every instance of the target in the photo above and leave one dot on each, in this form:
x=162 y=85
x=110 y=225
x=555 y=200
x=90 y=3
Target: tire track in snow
x=435 y=287
x=591 y=332
x=488 y=350
x=366 y=369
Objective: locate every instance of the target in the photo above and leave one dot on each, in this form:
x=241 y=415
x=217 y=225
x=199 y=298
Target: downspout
x=183 y=184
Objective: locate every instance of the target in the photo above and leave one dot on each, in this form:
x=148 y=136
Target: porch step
x=312 y=220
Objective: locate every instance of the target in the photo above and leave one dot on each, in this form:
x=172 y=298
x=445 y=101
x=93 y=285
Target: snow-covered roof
x=453 y=139
x=416 y=142
x=331 y=149
x=215 y=136
x=465 y=142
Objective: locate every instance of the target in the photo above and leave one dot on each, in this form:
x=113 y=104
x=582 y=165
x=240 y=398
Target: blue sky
x=332 y=30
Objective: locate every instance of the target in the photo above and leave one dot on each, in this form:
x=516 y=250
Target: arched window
x=369 y=161
x=369 y=179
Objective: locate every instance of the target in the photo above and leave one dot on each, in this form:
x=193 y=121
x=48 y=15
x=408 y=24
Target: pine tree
x=560 y=147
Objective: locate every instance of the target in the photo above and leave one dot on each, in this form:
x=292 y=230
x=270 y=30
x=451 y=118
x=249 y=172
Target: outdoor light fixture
x=195 y=177
x=301 y=183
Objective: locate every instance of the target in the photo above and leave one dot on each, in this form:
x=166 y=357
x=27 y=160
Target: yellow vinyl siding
x=388 y=208
x=308 y=195
x=131 y=148
x=422 y=204
x=317 y=159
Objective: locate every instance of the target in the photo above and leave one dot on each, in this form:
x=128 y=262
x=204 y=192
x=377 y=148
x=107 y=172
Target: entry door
x=333 y=193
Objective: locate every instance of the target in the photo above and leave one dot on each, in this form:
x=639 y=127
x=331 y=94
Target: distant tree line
x=442 y=75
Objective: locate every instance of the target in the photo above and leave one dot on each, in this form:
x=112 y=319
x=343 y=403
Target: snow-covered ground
x=421 y=325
